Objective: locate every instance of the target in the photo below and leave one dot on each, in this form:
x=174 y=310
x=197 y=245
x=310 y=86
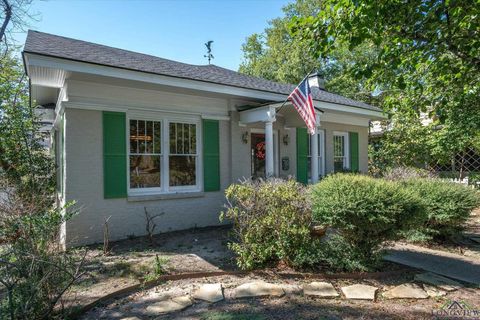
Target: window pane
x=182 y=170
x=338 y=164
x=173 y=138
x=180 y=138
x=193 y=139
x=144 y=171
x=157 y=137
x=149 y=137
x=141 y=136
x=133 y=136
x=338 y=146
x=186 y=138
x=183 y=138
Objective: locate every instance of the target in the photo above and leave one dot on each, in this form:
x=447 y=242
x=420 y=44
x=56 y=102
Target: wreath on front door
x=260 y=150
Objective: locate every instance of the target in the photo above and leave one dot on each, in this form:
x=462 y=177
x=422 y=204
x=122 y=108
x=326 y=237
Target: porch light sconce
x=245 y=137
x=286 y=139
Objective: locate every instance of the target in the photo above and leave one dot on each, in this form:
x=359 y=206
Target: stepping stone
x=257 y=289
x=169 y=305
x=433 y=291
x=211 y=292
x=359 y=292
x=291 y=289
x=406 y=291
x=320 y=289
x=442 y=282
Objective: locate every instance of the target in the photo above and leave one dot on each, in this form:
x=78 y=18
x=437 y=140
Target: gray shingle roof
x=62 y=47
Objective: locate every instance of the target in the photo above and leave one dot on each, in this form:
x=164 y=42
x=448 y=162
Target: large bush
x=272 y=222
x=365 y=212
x=446 y=206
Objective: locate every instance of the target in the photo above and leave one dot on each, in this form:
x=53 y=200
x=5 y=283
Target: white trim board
x=130 y=108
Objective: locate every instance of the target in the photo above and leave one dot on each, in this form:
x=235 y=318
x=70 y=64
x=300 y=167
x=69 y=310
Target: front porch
x=267 y=116
x=288 y=150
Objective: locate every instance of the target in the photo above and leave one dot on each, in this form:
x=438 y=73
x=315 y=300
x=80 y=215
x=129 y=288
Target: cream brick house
x=133 y=131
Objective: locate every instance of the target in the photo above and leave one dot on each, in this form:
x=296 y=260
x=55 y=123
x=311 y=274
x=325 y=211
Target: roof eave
x=49 y=61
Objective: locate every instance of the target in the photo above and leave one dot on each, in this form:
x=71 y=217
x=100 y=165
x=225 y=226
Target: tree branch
x=8 y=15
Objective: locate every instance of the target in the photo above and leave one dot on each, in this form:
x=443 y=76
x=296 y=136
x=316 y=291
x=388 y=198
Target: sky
x=171 y=29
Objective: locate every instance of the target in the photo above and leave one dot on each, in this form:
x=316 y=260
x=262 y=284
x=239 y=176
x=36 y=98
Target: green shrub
x=474 y=179
x=403 y=173
x=271 y=223
x=365 y=212
x=446 y=206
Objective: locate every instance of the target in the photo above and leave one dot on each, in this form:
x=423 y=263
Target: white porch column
x=315 y=150
x=314 y=153
x=269 y=170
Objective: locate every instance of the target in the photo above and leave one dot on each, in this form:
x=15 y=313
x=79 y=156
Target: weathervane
x=209 y=54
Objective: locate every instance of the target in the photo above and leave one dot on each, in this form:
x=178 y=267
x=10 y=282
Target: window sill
x=165 y=196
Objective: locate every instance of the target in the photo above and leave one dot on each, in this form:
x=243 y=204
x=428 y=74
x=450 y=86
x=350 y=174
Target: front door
x=257 y=152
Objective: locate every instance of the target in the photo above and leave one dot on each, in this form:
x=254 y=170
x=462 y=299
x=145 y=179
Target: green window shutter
x=211 y=155
x=302 y=155
x=353 y=140
x=114 y=155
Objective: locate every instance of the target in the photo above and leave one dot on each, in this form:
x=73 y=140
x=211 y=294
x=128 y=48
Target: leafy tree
x=276 y=55
x=35 y=271
x=427 y=58
x=24 y=163
x=405 y=143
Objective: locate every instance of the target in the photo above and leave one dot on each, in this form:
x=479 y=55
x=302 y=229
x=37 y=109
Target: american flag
x=301 y=99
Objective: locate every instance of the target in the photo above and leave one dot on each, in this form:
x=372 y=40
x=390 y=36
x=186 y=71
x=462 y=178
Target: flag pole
x=308 y=75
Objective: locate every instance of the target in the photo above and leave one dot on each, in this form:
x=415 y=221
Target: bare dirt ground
x=128 y=261
x=290 y=306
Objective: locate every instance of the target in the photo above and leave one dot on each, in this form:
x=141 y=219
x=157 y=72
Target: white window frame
x=195 y=187
x=165 y=119
x=346 y=156
x=321 y=154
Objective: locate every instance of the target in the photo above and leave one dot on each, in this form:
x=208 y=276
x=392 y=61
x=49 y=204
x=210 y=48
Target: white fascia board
x=327 y=106
x=89 y=68
x=215 y=117
x=262 y=114
x=372 y=114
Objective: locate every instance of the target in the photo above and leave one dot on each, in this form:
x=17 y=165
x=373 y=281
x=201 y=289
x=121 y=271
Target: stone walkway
x=447 y=264
x=424 y=286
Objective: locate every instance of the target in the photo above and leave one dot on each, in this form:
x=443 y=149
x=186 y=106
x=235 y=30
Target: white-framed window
x=163 y=154
x=183 y=156
x=321 y=154
x=340 y=151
